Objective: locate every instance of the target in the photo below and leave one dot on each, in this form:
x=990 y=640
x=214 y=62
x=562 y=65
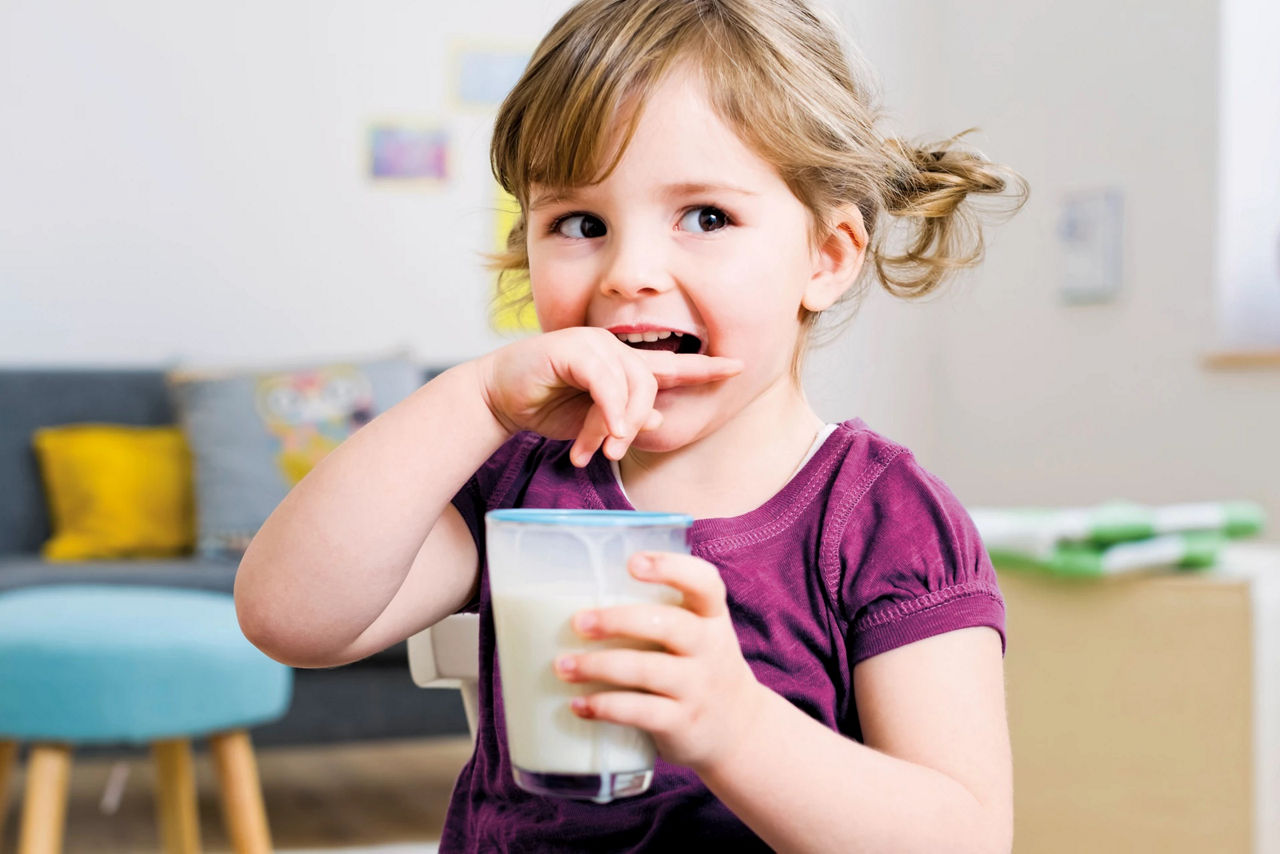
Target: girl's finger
x=655 y=672
x=672 y=370
x=642 y=388
x=615 y=448
x=669 y=626
x=698 y=580
x=590 y=437
x=600 y=375
x=651 y=712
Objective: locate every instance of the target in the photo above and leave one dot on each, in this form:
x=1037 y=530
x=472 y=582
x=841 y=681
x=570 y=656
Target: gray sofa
x=369 y=699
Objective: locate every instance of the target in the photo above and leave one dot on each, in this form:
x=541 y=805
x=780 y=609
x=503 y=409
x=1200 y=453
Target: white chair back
x=447 y=655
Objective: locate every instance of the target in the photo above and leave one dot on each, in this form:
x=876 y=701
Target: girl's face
x=692 y=234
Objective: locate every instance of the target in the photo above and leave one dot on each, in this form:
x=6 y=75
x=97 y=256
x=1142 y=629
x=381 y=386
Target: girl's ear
x=837 y=260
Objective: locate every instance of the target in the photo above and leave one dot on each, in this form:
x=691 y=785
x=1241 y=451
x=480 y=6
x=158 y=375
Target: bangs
x=772 y=72
x=569 y=119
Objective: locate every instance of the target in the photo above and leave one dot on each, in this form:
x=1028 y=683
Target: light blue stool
x=110 y=664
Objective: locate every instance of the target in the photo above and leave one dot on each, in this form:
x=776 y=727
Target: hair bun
x=928 y=188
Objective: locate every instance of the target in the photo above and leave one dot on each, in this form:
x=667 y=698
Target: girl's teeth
x=638 y=337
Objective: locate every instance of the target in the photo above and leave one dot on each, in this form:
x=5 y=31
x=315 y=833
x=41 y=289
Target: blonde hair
x=778 y=73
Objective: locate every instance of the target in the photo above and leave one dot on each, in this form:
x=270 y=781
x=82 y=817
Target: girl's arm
x=367 y=549
x=369 y=526
x=934 y=773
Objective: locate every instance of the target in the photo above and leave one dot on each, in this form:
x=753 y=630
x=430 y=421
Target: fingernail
x=643 y=566
x=586 y=621
x=566 y=664
x=581 y=707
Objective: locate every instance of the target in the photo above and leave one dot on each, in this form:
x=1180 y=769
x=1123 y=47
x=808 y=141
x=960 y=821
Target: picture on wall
x=484 y=76
x=408 y=152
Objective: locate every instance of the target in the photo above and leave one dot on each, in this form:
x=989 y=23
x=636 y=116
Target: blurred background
x=192 y=185
x=188 y=184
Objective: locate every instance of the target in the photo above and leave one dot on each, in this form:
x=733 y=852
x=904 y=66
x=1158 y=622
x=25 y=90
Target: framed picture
x=408 y=152
x=484 y=75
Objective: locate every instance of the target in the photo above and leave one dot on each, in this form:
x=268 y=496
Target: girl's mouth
x=673 y=342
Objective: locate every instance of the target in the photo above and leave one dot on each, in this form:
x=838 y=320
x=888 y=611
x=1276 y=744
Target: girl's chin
x=689 y=413
x=671 y=435
x=652 y=441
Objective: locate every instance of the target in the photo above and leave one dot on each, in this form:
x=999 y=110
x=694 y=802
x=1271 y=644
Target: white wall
x=880 y=368
x=184 y=182
x=1037 y=401
x=1009 y=394
x=184 y=185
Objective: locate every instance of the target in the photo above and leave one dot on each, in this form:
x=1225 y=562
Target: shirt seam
x=780 y=523
x=829 y=563
x=926 y=602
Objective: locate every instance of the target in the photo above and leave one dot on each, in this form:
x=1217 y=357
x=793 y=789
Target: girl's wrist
x=755 y=722
x=481 y=374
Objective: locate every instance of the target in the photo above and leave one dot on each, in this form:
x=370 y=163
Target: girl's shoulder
x=876 y=474
x=902 y=554
x=862 y=447
x=866 y=464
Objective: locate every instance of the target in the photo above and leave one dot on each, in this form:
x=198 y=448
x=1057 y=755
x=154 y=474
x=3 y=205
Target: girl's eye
x=704 y=219
x=579 y=225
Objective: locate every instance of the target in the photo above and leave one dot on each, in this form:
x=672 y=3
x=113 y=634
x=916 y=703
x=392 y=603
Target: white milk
x=543 y=734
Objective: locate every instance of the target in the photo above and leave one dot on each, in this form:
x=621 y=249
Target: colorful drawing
x=408 y=152
x=311 y=412
x=513 y=304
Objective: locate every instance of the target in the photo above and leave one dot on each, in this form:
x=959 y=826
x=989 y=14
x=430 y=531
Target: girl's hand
x=701 y=696
x=582 y=383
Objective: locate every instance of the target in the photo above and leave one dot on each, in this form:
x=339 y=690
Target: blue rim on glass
x=602 y=518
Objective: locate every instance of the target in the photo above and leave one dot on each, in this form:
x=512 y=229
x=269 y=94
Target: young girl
x=700 y=180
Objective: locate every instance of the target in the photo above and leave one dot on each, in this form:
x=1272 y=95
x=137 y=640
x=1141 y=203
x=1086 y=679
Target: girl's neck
x=733 y=470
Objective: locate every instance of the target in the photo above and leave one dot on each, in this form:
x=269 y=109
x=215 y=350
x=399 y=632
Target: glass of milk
x=544 y=567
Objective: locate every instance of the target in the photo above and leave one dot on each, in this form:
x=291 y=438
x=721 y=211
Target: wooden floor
x=377 y=793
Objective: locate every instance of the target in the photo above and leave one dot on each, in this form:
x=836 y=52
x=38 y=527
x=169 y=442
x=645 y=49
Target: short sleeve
x=491 y=483
x=487 y=488
x=913 y=564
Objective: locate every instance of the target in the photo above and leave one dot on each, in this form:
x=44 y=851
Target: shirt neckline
x=784 y=504
x=818 y=441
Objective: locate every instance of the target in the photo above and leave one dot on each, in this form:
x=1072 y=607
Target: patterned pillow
x=254 y=435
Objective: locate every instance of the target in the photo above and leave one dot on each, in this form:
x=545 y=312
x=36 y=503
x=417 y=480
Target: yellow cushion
x=116 y=491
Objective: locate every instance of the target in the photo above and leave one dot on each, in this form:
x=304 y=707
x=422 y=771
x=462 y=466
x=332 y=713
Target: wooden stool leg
x=242 y=806
x=8 y=757
x=177 y=815
x=44 y=807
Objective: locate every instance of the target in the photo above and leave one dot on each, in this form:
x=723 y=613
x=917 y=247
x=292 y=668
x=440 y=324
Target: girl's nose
x=635 y=269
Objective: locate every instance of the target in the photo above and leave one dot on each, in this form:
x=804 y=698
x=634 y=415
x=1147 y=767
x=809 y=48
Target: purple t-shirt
x=861 y=552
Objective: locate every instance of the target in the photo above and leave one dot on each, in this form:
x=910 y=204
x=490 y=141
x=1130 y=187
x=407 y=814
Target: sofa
x=369 y=699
